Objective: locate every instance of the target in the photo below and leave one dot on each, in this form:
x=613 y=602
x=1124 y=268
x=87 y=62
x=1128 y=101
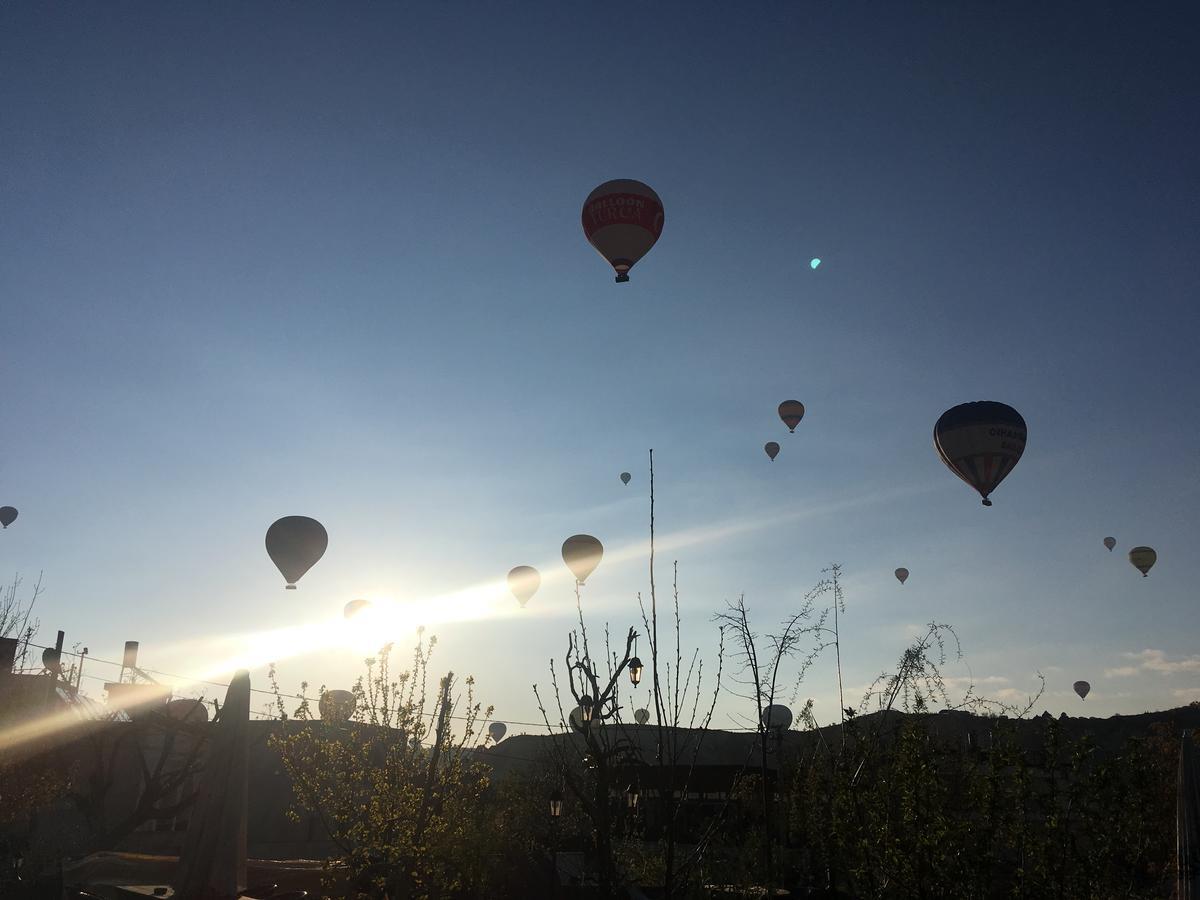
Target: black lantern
x=585 y=707
x=635 y=671
x=631 y=797
x=556 y=804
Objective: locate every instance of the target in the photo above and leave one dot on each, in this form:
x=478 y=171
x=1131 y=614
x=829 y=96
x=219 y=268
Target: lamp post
x=635 y=671
x=556 y=802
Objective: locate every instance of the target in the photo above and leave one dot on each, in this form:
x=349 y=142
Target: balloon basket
x=987 y=502
x=621 y=279
x=289 y=587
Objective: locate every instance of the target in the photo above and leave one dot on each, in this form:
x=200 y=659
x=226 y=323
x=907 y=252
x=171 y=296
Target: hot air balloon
x=1110 y=542
x=581 y=553
x=772 y=449
x=625 y=476
x=791 y=411
x=622 y=219
x=814 y=262
x=295 y=543
x=354 y=607
x=641 y=716
x=8 y=515
x=1143 y=559
x=523 y=582
x=337 y=706
x=578 y=721
x=902 y=574
x=980 y=442
x=1082 y=688
x=777 y=718
x=187 y=710
x=496 y=731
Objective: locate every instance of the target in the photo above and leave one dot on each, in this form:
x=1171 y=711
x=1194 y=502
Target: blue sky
x=271 y=259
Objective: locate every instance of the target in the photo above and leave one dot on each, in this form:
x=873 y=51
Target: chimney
x=8 y=655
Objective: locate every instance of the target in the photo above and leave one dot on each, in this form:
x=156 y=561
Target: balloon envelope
x=777 y=718
x=625 y=476
x=337 y=706
x=187 y=710
x=581 y=553
x=815 y=262
x=524 y=582
x=1110 y=542
x=622 y=219
x=295 y=543
x=497 y=730
x=772 y=449
x=902 y=574
x=1082 y=688
x=354 y=607
x=641 y=716
x=1143 y=558
x=980 y=442
x=8 y=515
x=791 y=411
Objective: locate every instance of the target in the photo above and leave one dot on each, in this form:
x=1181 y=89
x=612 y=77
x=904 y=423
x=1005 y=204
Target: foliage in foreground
x=392 y=786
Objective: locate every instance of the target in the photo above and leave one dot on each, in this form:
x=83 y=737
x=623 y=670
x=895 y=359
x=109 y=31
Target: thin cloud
x=1156 y=661
x=1121 y=672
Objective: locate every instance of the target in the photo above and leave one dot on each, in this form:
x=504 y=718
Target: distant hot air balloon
x=625 y=476
x=581 y=553
x=622 y=219
x=1110 y=542
x=791 y=411
x=354 y=607
x=1143 y=558
x=187 y=710
x=777 y=718
x=295 y=543
x=814 y=262
x=902 y=574
x=772 y=449
x=641 y=716
x=8 y=515
x=337 y=706
x=1082 y=688
x=496 y=731
x=523 y=582
x=980 y=442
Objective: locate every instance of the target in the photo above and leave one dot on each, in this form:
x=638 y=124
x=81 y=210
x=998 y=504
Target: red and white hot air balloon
x=980 y=442
x=622 y=219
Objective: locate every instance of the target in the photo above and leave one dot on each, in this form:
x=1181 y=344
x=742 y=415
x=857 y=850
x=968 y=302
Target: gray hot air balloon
x=622 y=219
x=496 y=731
x=582 y=553
x=523 y=582
x=1110 y=542
x=337 y=706
x=777 y=718
x=625 y=476
x=902 y=574
x=641 y=716
x=791 y=411
x=1082 y=688
x=8 y=515
x=295 y=543
x=1143 y=558
x=772 y=449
